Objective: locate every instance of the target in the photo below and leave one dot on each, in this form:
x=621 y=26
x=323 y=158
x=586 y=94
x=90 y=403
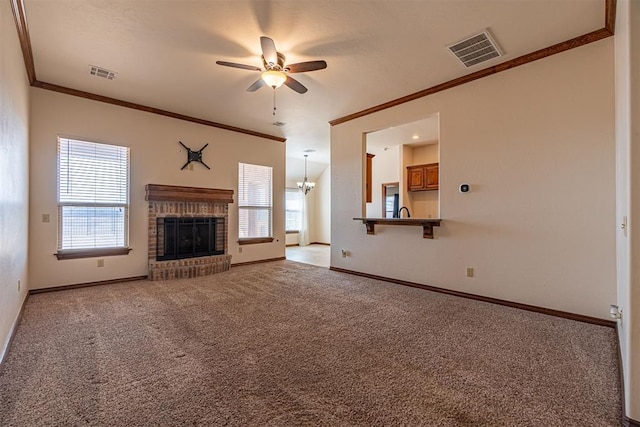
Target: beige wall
x=156 y=157
x=627 y=59
x=14 y=174
x=425 y=154
x=322 y=223
x=292 y=239
x=537 y=145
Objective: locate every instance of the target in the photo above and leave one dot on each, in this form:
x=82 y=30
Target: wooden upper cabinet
x=416 y=178
x=433 y=173
x=423 y=177
x=369 y=183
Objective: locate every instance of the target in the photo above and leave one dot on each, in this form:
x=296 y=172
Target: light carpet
x=284 y=344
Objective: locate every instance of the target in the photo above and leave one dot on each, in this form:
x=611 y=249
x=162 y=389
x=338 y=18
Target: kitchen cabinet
x=422 y=177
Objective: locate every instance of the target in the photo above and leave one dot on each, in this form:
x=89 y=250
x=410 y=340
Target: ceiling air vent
x=475 y=49
x=102 y=72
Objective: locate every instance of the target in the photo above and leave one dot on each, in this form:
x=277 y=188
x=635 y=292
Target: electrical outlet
x=45 y=218
x=240 y=249
x=100 y=262
x=470 y=271
x=190 y=167
x=18 y=285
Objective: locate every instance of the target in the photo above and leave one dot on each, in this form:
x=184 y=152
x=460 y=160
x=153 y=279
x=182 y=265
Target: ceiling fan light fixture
x=274 y=78
x=276 y=71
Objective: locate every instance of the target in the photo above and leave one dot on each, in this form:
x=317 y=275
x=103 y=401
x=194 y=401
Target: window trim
x=64 y=254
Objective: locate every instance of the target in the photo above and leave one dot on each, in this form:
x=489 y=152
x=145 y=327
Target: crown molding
x=20 y=17
x=17 y=7
x=593 y=36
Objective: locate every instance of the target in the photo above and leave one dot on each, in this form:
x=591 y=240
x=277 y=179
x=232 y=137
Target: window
x=293 y=209
x=93 y=199
x=254 y=203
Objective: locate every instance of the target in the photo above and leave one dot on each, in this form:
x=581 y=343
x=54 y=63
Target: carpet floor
x=290 y=344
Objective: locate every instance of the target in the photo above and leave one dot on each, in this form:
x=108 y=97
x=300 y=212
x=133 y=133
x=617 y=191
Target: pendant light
x=305 y=185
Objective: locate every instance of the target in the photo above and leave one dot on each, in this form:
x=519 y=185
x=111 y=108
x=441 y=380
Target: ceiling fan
x=275 y=72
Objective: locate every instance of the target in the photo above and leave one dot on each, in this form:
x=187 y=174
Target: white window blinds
x=293 y=209
x=254 y=201
x=93 y=195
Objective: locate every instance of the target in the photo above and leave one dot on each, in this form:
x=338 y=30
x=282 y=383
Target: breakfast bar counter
x=427 y=224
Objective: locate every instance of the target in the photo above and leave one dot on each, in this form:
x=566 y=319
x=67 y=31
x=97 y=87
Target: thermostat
x=464 y=188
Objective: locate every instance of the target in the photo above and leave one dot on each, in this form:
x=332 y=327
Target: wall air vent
x=102 y=72
x=475 y=49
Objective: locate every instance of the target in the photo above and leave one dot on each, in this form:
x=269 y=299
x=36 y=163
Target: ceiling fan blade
x=234 y=65
x=269 y=50
x=295 y=85
x=302 y=67
x=256 y=85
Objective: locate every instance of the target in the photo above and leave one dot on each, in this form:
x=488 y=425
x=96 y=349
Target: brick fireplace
x=169 y=204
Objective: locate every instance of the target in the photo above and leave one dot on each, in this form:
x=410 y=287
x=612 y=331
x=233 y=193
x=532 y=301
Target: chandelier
x=305 y=185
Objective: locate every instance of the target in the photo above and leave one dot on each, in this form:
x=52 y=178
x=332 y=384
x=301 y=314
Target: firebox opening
x=179 y=238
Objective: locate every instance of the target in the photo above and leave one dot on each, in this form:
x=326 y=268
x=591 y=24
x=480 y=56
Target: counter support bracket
x=370 y=227
x=427 y=231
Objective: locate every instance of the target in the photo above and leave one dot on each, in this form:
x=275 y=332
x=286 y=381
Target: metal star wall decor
x=194 y=156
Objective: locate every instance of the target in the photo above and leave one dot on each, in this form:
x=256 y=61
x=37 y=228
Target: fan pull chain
x=274 y=101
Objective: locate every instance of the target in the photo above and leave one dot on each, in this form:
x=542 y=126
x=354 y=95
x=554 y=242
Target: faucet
x=400 y=212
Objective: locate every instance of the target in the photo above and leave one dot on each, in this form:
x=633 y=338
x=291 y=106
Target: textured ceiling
x=164 y=52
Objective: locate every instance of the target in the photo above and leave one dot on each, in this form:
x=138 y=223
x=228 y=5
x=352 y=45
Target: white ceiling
x=420 y=132
x=164 y=52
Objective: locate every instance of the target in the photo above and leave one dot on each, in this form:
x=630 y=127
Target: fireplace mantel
x=174 y=193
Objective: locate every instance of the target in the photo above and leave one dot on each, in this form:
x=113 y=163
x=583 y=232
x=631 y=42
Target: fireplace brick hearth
x=167 y=201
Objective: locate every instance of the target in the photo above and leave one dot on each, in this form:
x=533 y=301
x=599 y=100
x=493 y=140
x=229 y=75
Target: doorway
x=391 y=199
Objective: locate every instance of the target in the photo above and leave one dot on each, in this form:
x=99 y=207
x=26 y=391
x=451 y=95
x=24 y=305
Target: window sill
x=255 y=240
x=90 y=253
